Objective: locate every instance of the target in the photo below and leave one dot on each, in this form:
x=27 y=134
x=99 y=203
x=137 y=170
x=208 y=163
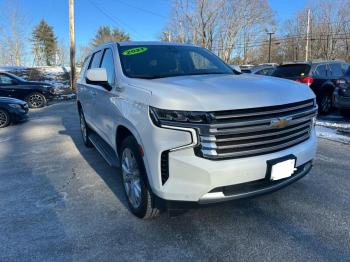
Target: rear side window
x=108 y=64
x=320 y=71
x=293 y=70
x=336 y=70
x=345 y=69
x=96 y=60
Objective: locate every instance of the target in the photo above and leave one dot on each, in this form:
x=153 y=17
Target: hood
x=222 y=92
x=9 y=100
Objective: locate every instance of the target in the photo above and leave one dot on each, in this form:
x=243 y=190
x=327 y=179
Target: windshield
x=292 y=70
x=157 y=61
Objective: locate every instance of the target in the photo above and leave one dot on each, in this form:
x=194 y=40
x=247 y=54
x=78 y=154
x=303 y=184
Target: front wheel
x=36 y=100
x=5 y=119
x=140 y=199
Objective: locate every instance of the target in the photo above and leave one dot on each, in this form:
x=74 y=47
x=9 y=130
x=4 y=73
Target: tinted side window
x=346 y=69
x=5 y=80
x=292 y=70
x=108 y=64
x=336 y=70
x=321 y=71
x=96 y=60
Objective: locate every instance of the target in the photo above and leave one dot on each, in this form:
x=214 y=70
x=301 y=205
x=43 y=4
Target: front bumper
x=18 y=115
x=195 y=179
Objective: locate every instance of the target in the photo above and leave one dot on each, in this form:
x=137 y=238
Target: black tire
x=84 y=129
x=325 y=104
x=147 y=207
x=36 y=100
x=345 y=112
x=5 y=118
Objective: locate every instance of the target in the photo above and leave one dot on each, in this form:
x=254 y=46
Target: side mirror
x=14 y=82
x=236 y=68
x=98 y=76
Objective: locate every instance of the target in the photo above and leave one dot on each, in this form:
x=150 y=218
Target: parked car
x=342 y=92
x=266 y=70
x=321 y=77
x=12 y=111
x=36 y=94
x=248 y=66
x=187 y=130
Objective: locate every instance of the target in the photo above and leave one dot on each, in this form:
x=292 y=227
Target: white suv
x=187 y=129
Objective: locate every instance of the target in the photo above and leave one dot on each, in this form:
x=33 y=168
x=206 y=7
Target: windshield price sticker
x=135 y=51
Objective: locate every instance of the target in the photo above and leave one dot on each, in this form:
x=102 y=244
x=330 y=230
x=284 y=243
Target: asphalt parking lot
x=61 y=201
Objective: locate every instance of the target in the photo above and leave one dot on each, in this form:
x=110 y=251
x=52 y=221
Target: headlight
x=17 y=106
x=162 y=116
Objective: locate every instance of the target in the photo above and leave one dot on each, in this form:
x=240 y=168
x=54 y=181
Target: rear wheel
x=84 y=129
x=36 y=100
x=325 y=104
x=140 y=199
x=5 y=119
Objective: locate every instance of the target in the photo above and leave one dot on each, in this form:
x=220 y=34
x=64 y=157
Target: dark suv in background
x=36 y=94
x=322 y=77
x=342 y=94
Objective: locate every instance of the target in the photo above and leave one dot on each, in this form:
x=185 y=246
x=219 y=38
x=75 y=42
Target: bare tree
x=14 y=33
x=62 y=53
x=219 y=25
x=330 y=30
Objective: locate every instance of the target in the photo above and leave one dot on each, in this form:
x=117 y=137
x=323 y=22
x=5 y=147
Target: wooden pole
x=72 y=44
x=307 y=36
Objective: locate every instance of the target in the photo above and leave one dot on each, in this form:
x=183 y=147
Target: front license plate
x=282 y=169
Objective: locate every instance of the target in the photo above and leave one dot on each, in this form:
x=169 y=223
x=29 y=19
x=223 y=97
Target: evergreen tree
x=44 y=44
x=107 y=34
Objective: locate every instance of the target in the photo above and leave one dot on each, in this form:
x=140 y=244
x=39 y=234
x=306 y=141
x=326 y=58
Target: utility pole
x=307 y=36
x=270 y=41
x=72 y=44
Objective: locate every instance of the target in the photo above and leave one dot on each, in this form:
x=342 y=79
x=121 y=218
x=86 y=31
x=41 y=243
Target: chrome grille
x=250 y=132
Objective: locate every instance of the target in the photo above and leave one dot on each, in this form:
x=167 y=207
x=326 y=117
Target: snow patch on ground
x=332 y=134
x=343 y=124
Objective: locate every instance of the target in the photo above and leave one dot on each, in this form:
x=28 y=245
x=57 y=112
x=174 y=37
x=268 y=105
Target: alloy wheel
x=131 y=178
x=3 y=119
x=36 y=100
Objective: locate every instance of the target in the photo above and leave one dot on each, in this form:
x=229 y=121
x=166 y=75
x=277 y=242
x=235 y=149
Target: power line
x=142 y=9
x=114 y=19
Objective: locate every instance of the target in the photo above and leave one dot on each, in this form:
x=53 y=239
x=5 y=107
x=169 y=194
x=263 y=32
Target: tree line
x=237 y=31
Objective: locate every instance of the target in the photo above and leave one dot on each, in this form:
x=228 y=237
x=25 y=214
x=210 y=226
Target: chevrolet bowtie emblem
x=280 y=122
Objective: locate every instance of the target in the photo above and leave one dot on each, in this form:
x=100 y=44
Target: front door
x=6 y=86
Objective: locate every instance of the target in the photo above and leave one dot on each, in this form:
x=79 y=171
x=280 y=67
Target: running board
x=104 y=149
